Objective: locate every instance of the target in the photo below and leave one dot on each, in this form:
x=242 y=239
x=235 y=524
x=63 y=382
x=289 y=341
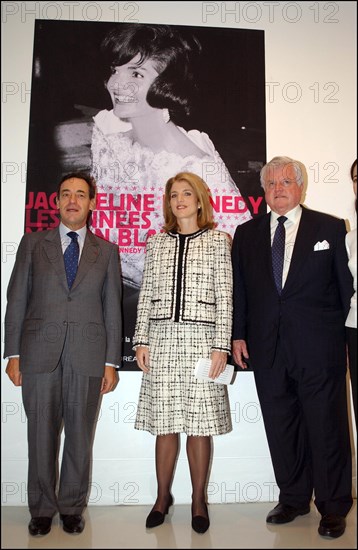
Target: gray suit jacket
x=42 y=312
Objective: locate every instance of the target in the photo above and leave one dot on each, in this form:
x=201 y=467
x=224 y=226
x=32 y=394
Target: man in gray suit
x=63 y=335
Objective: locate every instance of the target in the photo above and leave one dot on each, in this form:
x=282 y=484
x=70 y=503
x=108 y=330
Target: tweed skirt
x=172 y=399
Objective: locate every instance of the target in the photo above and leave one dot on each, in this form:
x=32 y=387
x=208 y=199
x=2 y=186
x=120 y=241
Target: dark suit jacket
x=42 y=312
x=310 y=314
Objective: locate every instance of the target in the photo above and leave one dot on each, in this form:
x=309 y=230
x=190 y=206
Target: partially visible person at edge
x=351 y=321
x=63 y=343
x=137 y=146
x=184 y=313
x=292 y=332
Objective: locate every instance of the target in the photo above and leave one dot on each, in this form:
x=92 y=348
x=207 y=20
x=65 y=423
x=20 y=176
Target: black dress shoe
x=332 y=526
x=283 y=513
x=72 y=523
x=200 y=524
x=156 y=518
x=40 y=526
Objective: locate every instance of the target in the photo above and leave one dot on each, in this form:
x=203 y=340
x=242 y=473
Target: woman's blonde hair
x=205 y=212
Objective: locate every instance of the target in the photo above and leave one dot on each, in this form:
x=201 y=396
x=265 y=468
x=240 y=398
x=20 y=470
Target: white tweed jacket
x=206 y=285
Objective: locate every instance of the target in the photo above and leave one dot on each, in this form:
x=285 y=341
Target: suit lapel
x=90 y=254
x=303 y=247
x=264 y=244
x=53 y=250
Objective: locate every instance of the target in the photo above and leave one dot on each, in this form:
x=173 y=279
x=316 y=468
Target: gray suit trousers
x=61 y=398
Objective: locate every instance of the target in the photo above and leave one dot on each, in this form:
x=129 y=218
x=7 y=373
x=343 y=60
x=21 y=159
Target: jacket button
x=64 y=322
x=69 y=299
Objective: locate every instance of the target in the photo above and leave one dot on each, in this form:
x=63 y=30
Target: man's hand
x=109 y=380
x=13 y=371
x=239 y=350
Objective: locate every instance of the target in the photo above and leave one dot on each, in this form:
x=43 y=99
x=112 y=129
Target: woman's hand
x=142 y=356
x=218 y=363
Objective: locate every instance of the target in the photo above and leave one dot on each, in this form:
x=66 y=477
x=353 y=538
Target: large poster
x=135 y=104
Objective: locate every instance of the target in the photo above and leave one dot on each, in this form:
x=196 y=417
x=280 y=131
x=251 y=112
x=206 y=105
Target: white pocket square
x=321 y=245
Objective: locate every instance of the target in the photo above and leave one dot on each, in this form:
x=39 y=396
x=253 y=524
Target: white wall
x=310 y=53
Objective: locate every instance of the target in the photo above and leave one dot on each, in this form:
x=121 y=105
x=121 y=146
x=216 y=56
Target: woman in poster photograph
x=137 y=145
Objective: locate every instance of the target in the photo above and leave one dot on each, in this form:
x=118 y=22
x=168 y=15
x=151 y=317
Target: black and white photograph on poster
x=134 y=104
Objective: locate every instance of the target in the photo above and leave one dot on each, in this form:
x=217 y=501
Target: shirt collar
x=293 y=215
x=64 y=230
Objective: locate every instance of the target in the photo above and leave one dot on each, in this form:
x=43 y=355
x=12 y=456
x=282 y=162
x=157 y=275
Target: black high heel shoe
x=156 y=518
x=200 y=524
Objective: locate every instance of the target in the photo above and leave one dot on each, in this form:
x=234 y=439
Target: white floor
x=232 y=526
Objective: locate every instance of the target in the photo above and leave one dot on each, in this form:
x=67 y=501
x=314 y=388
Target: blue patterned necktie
x=70 y=257
x=278 y=252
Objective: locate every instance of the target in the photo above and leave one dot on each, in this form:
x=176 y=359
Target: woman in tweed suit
x=184 y=313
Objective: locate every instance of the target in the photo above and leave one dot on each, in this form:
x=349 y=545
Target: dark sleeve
x=344 y=276
x=239 y=291
x=18 y=293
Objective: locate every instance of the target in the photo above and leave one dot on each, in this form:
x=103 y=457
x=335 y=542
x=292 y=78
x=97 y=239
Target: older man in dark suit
x=63 y=342
x=292 y=289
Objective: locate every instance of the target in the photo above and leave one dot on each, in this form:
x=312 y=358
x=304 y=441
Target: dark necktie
x=70 y=257
x=278 y=252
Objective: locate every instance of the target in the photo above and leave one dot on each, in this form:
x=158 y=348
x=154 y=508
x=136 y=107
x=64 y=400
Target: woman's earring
x=199 y=206
x=166 y=115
